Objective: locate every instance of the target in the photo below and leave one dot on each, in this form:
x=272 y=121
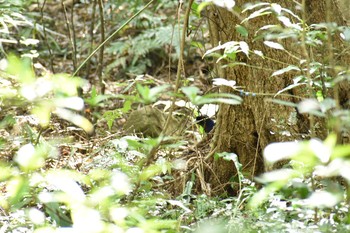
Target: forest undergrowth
x=116 y=149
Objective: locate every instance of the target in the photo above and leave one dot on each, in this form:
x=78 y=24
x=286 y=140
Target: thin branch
x=100 y=63
x=45 y=35
x=88 y=65
x=308 y=61
x=111 y=36
x=74 y=38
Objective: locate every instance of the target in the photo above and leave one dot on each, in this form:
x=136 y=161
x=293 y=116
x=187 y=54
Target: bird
x=207 y=123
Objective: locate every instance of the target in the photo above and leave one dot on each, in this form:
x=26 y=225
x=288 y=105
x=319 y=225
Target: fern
x=135 y=50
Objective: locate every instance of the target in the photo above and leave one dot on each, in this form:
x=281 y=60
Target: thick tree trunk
x=246 y=129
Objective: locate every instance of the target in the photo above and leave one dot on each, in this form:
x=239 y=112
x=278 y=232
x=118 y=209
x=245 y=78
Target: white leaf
x=276 y=8
x=284 y=70
x=280 y=150
x=244 y=47
x=308 y=105
x=274 y=45
x=259 y=53
x=322 y=151
x=224 y=82
x=323 y=199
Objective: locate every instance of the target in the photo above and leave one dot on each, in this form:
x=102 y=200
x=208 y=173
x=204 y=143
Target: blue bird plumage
x=207 y=123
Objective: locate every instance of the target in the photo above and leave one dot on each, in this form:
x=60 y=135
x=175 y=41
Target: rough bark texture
x=247 y=128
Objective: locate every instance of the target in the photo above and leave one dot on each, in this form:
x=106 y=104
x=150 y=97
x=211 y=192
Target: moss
x=150 y=121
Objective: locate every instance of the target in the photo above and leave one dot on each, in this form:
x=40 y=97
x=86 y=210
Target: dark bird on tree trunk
x=207 y=123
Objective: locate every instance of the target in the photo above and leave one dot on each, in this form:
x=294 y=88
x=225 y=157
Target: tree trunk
x=246 y=129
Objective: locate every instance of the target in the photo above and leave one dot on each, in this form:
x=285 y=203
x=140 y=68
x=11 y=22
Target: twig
x=307 y=59
x=100 y=63
x=257 y=145
x=45 y=34
x=70 y=33
x=179 y=65
x=111 y=36
x=74 y=38
x=154 y=150
x=88 y=65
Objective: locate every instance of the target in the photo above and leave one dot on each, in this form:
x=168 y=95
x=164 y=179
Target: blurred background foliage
x=55 y=172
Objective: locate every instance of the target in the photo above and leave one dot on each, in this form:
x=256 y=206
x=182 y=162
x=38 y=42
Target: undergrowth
x=62 y=168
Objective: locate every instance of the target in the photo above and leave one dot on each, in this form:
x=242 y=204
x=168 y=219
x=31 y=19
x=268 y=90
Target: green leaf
x=150 y=172
x=148 y=95
x=242 y=30
x=21 y=69
x=17 y=188
x=192 y=94
x=110 y=117
x=158 y=224
x=95 y=99
x=202 y=6
x=262 y=195
x=197 y=44
x=58 y=214
x=283 y=102
x=341 y=151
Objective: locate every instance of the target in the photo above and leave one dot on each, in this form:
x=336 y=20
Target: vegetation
x=104 y=127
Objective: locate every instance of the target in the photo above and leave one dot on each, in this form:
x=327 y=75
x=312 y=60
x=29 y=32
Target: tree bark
x=246 y=129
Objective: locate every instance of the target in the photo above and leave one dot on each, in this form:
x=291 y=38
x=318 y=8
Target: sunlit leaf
x=67 y=183
x=224 y=82
x=278 y=175
x=323 y=199
x=121 y=183
x=284 y=70
x=341 y=151
x=16 y=189
x=278 y=151
x=276 y=8
x=259 y=53
x=320 y=150
x=87 y=219
x=179 y=204
x=202 y=5
x=289 y=88
x=150 y=172
x=244 y=47
x=75 y=103
x=30 y=158
x=21 y=69
x=76 y=119
x=274 y=45
x=311 y=106
x=261 y=196
x=251 y=6
x=43 y=112
x=258 y=13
